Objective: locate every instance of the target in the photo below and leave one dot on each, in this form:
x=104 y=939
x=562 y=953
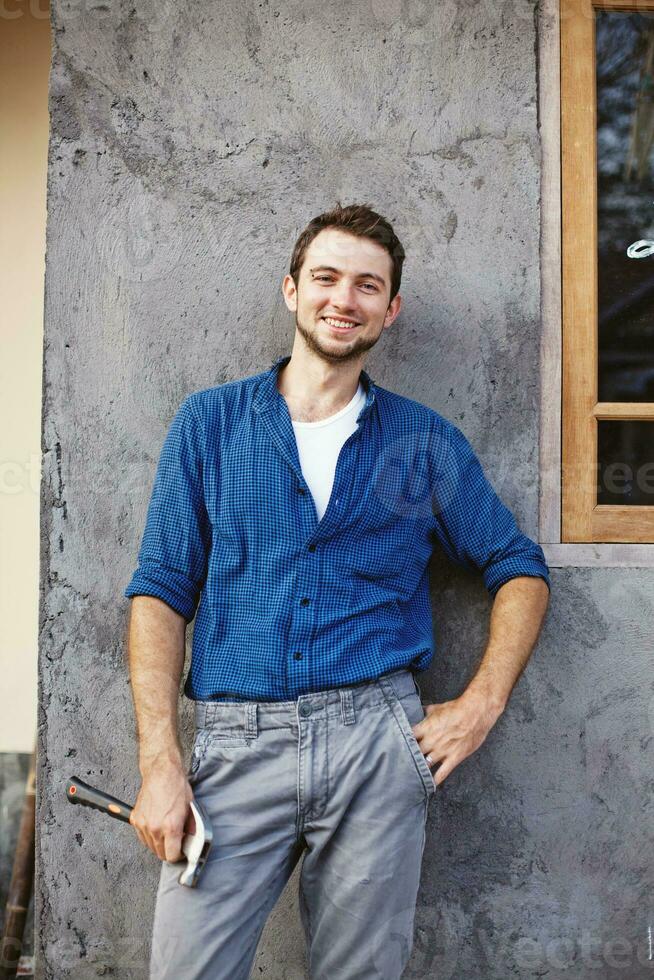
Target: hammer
x=195 y=845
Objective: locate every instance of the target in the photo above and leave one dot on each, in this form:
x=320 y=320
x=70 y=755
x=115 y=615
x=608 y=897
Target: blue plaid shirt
x=286 y=604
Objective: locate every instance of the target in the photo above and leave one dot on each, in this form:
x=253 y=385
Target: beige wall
x=24 y=68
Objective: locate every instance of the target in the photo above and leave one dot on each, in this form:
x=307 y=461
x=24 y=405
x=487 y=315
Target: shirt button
x=298 y=655
x=305 y=709
x=312 y=547
x=301 y=490
x=304 y=601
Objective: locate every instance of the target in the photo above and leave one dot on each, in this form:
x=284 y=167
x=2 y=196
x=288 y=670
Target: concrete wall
x=190 y=144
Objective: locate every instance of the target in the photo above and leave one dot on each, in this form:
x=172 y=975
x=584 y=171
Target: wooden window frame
x=574 y=529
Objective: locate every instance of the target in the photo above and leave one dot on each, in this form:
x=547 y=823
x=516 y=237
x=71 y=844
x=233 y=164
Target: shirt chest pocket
x=379 y=547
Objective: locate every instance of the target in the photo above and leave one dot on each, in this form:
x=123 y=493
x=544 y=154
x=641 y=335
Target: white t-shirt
x=319 y=444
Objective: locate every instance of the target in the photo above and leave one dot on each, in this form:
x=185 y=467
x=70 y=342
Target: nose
x=342 y=295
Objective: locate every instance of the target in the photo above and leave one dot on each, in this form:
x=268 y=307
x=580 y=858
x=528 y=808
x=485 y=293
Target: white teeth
x=339 y=323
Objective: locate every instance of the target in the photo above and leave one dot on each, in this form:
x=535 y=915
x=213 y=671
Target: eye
x=319 y=278
x=371 y=284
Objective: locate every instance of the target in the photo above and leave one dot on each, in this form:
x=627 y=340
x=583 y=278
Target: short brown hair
x=359 y=220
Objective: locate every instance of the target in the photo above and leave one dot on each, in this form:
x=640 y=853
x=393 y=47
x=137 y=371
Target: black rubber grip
x=80 y=792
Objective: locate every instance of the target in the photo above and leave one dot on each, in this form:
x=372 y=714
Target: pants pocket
x=198 y=752
x=414 y=712
x=406 y=712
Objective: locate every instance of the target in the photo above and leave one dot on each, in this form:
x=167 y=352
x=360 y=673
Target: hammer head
x=195 y=846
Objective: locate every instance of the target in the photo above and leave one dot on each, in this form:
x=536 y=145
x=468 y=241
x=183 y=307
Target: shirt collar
x=267 y=393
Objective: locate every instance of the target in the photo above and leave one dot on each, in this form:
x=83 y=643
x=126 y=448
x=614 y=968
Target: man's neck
x=314 y=389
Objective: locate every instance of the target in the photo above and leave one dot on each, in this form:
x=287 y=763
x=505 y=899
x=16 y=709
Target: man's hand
x=162 y=810
x=453 y=730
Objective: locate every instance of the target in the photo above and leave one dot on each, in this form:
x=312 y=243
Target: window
x=605 y=441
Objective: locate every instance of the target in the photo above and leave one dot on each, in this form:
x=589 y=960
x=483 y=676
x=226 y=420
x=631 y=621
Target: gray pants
x=336 y=777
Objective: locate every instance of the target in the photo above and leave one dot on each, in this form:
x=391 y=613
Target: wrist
x=159 y=760
x=485 y=697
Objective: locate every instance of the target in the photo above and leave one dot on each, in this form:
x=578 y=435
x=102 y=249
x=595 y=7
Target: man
x=296 y=510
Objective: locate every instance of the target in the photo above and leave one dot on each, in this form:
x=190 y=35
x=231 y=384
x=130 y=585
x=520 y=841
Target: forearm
x=516 y=619
x=156 y=646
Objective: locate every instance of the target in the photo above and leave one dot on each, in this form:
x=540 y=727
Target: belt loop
x=251 y=720
x=415 y=681
x=347 y=706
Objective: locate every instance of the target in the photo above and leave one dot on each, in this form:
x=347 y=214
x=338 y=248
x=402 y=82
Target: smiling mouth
x=340 y=325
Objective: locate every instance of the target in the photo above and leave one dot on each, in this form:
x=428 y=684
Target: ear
x=290 y=293
x=393 y=310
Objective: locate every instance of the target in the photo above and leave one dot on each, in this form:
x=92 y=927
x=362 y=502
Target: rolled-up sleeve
x=473 y=526
x=172 y=560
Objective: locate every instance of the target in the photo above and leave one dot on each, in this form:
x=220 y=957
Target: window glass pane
x=625 y=201
x=625 y=456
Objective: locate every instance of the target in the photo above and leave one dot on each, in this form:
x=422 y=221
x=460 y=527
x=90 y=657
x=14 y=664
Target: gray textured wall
x=190 y=143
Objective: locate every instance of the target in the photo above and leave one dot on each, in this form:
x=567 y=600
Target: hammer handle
x=80 y=792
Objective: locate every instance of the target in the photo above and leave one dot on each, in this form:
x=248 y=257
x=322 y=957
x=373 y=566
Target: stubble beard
x=359 y=347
